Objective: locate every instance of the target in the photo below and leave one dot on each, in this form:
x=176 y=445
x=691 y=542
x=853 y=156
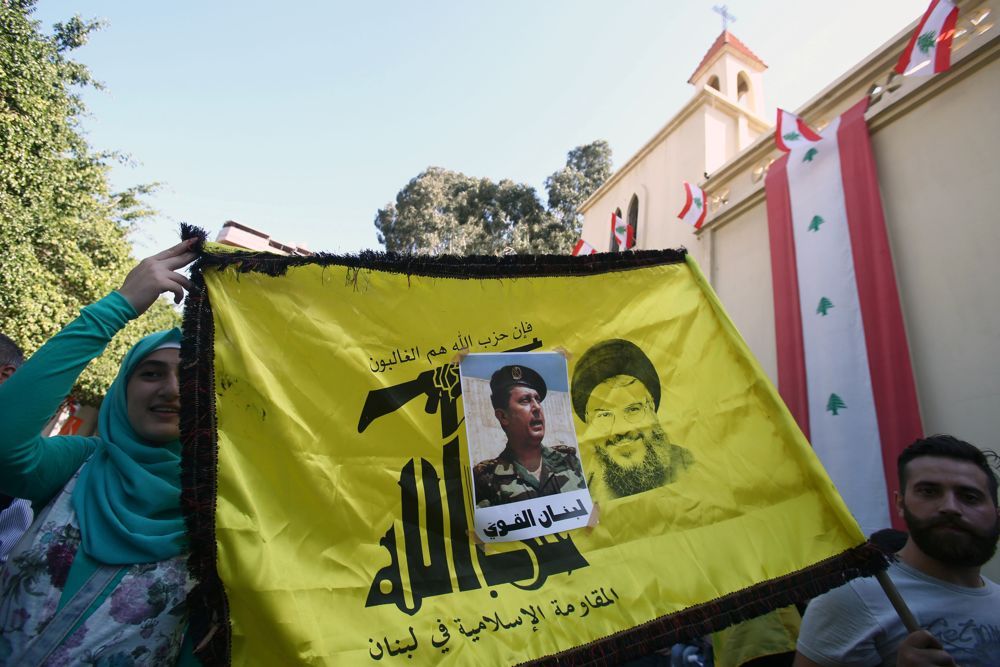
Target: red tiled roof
x=725 y=37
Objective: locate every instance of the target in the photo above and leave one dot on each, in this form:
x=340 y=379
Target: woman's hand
x=157 y=274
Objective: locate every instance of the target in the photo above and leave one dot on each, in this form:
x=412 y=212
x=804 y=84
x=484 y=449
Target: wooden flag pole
x=891 y=592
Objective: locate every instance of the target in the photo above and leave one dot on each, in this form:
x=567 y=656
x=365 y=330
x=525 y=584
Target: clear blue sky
x=301 y=120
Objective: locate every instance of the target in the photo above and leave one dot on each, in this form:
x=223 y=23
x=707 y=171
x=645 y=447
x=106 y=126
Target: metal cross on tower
x=727 y=18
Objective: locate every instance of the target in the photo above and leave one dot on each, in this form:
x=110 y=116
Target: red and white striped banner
x=624 y=233
x=583 y=248
x=695 y=206
x=843 y=361
x=929 y=49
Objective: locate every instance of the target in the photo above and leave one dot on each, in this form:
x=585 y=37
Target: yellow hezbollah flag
x=329 y=486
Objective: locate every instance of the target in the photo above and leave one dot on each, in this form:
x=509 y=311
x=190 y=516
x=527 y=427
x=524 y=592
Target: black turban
x=606 y=360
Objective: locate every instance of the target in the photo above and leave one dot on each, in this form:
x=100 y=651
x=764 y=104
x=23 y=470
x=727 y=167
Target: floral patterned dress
x=137 y=618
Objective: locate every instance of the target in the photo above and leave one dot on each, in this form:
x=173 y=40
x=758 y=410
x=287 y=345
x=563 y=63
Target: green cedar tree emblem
x=620 y=229
x=697 y=202
x=835 y=403
x=816 y=222
x=791 y=136
x=926 y=41
x=810 y=154
x=824 y=305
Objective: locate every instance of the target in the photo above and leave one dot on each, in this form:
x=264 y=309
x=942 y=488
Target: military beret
x=506 y=378
x=606 y=360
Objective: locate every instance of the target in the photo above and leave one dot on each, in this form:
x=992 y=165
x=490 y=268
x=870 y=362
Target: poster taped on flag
x=327 y=472
x=527 y=477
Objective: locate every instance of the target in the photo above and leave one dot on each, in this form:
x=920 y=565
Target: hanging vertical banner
x=843 y=360
x=332 y=486
x=527 y=477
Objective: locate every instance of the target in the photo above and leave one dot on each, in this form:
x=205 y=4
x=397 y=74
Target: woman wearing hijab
x=100 y=576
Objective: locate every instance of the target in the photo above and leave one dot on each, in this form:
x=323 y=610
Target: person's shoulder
x=852 y=596
x=564 y=451
x=838 y=627
x=490 y=467
x=849 y=591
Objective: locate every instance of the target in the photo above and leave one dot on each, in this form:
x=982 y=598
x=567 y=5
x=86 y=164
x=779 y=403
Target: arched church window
x=743 y=89
x=614 y=239
x=633 y=217
x=713 y=82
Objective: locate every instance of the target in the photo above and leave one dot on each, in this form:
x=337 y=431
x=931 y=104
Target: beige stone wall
x=740 y=272
x=678 y=157
x=936 y=144
x=703 y=137
x=939 y=172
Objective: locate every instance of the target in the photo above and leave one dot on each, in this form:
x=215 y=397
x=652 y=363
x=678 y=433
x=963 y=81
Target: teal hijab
x=127 y=498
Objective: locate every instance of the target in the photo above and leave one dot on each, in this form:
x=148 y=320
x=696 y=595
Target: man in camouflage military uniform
x=526 y=468
x=616 y=392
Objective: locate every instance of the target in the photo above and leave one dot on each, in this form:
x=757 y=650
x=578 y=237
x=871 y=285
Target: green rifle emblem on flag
x=697 y=202
x=824 y=305
x=810 y=154
x=791 y=136
x=835 y=403
x=926 y=41
x=816 y=222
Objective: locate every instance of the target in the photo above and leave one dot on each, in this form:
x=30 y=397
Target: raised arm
x=36 y=468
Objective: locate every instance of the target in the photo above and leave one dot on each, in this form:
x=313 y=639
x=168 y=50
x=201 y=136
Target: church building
x=725 y=115
x=935 y=142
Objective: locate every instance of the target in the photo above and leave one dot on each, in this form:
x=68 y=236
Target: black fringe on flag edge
x=443 y=266
x=862 y=561
x=208 y=603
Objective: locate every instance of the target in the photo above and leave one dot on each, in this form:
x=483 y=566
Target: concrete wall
x=939 y=172
x=678 y=157
x=936 y=143
x=939 y=175
x=741 y=276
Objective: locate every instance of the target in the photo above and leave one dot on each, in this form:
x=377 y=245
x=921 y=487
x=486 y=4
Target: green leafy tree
x=587 y=167
x=65 y=232
x=810 y=154
x=824 y=306
x=834 y=404
x=442 y=211
x=815 y=223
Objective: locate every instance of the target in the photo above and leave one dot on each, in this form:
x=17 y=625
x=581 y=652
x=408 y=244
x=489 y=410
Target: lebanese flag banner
x=583 y=248
x=843 y=360
x=930 y=44
x=790 y=132
x=694 y=209
x=624 y=233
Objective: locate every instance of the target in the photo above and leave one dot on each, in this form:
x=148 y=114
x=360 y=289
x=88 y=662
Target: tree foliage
x=65 y=233
x=443 y=211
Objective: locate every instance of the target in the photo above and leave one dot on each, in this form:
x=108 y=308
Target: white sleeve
x=838 y=629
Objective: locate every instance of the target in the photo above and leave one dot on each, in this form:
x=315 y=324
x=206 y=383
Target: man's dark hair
x=950 y=447
x=10 y=353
